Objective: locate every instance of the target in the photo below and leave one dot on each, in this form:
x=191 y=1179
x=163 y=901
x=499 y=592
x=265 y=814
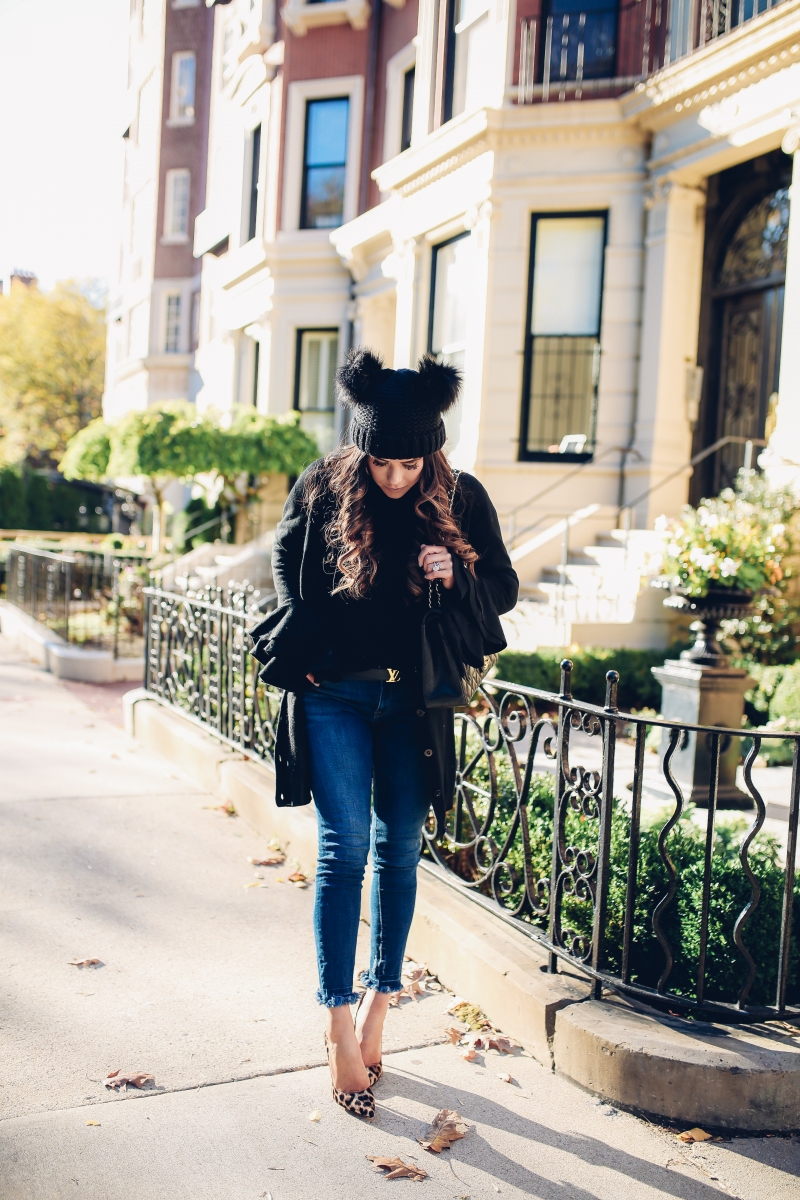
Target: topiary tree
x=88 y=453
x=255 y=446
x=162 y=443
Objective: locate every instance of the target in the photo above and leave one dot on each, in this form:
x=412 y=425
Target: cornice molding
x=300 y=17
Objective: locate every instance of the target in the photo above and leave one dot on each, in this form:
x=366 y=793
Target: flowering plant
x=738 y=540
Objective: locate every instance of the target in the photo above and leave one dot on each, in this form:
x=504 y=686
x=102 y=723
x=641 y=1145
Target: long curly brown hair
x=344 y=475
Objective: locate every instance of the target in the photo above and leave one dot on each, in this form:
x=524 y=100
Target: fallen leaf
x=138 y=1079
x=254 y=883
x=456 y=1003
x=469 y=1055
x=297 y=877
x=84 y=962
x=272 y=860
x=228 y=809
x=694 y=1135
x=316 y=1115
x=280 y=879
x=455 y=1035
x=506 y=1078
x=433 y=986
x=498 y=1042
x=92 y=1122
x=447 y=1126
x=397 y=1169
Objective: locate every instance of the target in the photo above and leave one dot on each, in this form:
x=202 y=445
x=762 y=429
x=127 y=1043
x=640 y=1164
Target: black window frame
x=407 y=109
x=547 y=15
x=255 y=166
x=298 y=352
x=524 y=454
x=310 y=100
x=432 y=291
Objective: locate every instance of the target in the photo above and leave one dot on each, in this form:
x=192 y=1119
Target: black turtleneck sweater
x=382 y=629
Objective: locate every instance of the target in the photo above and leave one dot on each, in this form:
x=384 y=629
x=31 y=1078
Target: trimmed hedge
x=32 y=501
x=541 y=669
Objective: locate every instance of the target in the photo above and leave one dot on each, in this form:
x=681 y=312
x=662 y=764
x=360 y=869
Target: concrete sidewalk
x=107 y=852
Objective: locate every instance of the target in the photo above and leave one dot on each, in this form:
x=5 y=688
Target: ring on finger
x=437 y=566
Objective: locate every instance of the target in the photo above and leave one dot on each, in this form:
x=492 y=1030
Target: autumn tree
x=52 y=355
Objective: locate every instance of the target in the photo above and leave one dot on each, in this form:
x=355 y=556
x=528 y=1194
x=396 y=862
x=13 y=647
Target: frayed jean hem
x=386 y=989
x=337 y=1001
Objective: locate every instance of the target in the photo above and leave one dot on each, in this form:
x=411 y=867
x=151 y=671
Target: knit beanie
x=397 y=414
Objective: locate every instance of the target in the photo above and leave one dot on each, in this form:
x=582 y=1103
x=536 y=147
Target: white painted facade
x=643 y=158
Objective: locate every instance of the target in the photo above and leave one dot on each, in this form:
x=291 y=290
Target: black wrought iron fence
x=197 y=660
x=92 y=599
x=569 y=822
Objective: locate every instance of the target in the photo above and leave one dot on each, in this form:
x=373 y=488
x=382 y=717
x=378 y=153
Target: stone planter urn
x=702 y=688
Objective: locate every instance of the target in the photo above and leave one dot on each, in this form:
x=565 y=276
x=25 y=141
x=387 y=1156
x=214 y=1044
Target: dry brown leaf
x=498 y=1042
x=394 y=1000
x=271 y=860
x=297 y=877
x=455 y=1035
x=447 y=1126
x=456 y=1003
x=397 y=1169
x=694 y=1135
x=84 y=962
x=137 y=1079
x=506 y=1078
x=469 y=1055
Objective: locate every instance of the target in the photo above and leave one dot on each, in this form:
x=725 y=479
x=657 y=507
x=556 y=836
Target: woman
x=366 y=535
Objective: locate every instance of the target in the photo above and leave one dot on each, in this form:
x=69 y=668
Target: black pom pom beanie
x=397 y=414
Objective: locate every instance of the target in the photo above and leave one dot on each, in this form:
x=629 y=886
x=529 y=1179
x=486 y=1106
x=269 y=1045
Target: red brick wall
x=185 y=145
x=398 y=27
x=323 y=53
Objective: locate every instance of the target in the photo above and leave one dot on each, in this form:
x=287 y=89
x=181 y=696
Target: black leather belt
x=376 y=675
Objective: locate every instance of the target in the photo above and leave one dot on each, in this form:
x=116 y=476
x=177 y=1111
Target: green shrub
x=726 y=970
x=541 y=669
x=13 y=504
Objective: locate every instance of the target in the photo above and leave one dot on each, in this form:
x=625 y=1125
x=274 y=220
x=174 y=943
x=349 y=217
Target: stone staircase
x=602 y=599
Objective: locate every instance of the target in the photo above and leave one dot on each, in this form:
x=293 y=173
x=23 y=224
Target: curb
x=734 y=1079
x=61 y=658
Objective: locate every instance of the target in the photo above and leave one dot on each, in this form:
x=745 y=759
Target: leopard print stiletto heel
x=358 y=1104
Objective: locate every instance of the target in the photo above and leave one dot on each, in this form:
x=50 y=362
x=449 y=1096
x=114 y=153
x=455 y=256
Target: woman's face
x=395 y=476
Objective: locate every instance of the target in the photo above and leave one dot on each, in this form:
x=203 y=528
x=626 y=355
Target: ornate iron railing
x=197 y=660
x=90 y=598
x=565 y=823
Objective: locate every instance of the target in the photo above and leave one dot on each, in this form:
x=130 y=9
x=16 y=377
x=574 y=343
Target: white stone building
x=592 y=218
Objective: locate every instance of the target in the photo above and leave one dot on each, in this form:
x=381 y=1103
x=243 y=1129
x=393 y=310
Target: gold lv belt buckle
x=394 y=676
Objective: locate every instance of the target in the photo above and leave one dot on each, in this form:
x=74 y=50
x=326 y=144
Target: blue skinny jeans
x=369 y=792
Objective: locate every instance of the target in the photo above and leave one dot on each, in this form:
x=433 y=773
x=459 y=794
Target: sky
x=63 y=80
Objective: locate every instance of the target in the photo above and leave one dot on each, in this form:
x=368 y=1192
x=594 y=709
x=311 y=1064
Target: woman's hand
x=437 y=565
x=311 y=679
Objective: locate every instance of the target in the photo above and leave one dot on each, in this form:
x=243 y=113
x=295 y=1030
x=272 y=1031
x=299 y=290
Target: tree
x=88 y=453
x=163 y=443
x=52 y=357
x=256 y=446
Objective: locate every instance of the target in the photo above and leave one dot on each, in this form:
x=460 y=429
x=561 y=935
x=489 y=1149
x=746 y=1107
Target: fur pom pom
x=358 y=376
x=439 y=383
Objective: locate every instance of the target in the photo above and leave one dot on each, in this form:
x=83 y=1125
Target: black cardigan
x=297 y=633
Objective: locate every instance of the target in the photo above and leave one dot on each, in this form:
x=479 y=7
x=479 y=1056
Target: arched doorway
x=740 y=342
x=749 y=294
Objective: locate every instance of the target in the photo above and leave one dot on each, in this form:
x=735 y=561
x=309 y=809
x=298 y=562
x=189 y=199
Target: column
x=670 y=316
x=782 y=458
